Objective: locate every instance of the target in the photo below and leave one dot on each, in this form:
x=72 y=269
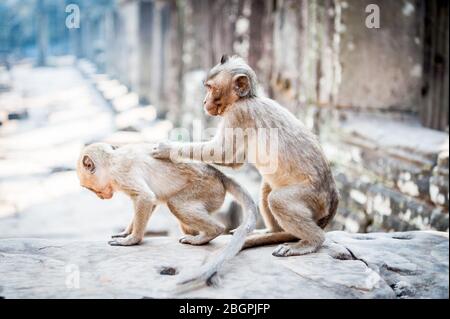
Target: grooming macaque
x=299 y=197
x=191 y=191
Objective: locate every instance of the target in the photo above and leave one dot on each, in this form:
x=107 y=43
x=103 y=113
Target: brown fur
x=300 y=197
x=191 y=191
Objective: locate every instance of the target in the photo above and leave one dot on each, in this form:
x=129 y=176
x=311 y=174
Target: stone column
x=42 y=16
x=146 y=32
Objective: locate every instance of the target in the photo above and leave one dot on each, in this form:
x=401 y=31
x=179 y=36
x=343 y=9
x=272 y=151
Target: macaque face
x=95 y=178
x=219 y=94
x=102 y=191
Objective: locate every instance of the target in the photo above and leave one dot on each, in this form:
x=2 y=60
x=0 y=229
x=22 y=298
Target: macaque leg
x=188 y=230
x=143 y=210
x=273 y=234
x=198 y=219
x=261 y=237
x=269 y=220
x=290 y=208
x=126 y=232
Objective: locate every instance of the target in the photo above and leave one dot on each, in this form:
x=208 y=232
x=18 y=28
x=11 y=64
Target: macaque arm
x=144 y=201
x=126 y=232
x=143 y=208
x=223 y=150
x=129 y=228
x=196 y=151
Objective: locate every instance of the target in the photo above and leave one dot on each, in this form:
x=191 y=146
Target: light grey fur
x=300 y=197
x=190 y=190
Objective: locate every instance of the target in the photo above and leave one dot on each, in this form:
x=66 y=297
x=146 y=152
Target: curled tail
x=210 y=269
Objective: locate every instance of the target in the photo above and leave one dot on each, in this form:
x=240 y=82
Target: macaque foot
x=127 y=241
x=196 y=240
x=298 y=249
x=121 y=235
x=161 y=151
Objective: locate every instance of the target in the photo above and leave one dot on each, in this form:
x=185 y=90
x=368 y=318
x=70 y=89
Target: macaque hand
x=121 y=235
x=130 y=240
x=161 y=151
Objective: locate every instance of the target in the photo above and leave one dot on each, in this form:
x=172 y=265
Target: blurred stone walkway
x=40 y=194
x=51 y=229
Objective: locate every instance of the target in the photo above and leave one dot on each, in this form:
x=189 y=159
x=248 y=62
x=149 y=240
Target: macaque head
x=93 y=169
x=228 y=82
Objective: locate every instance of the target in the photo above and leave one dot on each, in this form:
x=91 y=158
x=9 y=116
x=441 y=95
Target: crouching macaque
x=298 y=195
x=191 y=192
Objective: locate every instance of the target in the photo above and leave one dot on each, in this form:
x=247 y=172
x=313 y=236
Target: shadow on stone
x=168 y=271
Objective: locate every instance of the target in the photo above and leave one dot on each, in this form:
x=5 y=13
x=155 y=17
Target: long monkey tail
x=265 y=239
x=210 y=269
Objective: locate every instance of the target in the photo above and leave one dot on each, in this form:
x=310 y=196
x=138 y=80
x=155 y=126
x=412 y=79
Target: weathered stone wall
x=391 y=175
x=381 y=68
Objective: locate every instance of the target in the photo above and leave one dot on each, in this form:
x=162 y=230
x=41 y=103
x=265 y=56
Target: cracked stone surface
x=55 y=230
x=376 y=265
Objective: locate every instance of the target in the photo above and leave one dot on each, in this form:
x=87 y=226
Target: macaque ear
x=241 y=85
x=88 y=164
x=224 y=59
